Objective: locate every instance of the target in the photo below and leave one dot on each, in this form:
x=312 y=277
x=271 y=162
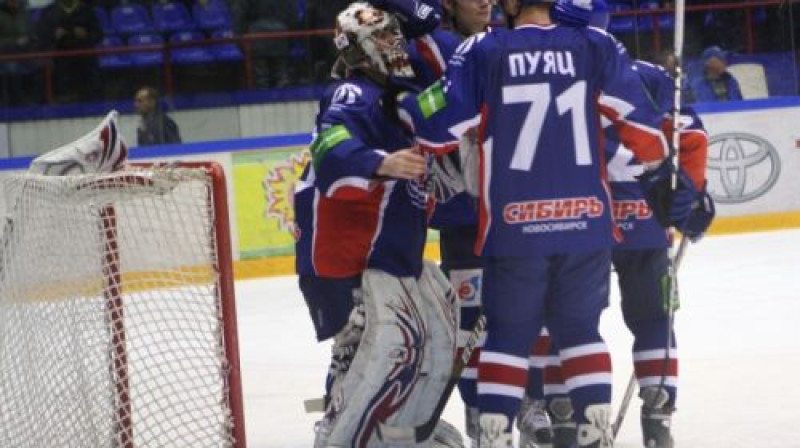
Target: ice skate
x=534 y=425
x=597 y=433
x=656 y=418
x=563 y=423
x=493 y=432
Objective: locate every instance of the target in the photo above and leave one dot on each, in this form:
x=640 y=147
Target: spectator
x=16 y=36
x=716 y=84
x=321 y=14
x=155 y=127
x=270 y=56
x=71 y=25
x=666 y=58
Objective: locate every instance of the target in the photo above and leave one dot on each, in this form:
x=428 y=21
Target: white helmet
x=369 y=38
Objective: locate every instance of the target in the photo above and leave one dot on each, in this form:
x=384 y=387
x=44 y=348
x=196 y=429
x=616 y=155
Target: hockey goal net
x=117 y=315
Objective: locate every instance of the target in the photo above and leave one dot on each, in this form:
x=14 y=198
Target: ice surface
x=738 y=332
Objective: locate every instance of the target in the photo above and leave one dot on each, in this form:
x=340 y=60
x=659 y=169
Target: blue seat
x=190 y=55
x=131 y=19
x=105 y=22
x=146 y=58
x=112 y=61
x=171 y=17
x=213 y=15
x=36 y=14
x=225 y=52
x=624 y=24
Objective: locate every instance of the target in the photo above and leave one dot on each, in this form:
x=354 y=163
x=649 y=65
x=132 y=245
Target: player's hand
x=671 y=208
x=406 y=164
x=703 y=212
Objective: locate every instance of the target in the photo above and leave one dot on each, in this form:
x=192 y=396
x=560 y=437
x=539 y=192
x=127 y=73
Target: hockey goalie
x=361 y=208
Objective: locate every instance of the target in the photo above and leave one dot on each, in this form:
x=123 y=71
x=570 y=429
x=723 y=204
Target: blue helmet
x=580 y=13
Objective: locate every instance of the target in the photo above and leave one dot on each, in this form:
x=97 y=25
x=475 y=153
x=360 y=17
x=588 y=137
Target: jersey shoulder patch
x=466 y=47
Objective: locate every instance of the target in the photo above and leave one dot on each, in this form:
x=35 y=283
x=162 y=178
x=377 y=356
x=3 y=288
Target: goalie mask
x=370 y=39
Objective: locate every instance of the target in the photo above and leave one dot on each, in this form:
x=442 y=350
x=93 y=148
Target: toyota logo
x=741 y=167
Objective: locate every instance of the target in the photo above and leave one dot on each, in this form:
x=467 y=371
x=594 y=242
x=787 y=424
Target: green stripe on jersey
x=326 y=141
x=432 y=100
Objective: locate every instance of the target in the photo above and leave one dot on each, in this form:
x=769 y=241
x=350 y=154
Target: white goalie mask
x=370 y=39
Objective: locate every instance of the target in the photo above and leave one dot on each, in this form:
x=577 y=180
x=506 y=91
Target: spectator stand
x=137 y=40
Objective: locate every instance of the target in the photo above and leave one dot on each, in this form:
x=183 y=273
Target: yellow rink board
x=284 y=265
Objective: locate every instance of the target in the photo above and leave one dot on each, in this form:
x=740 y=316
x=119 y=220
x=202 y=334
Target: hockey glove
x=703 y=212
x=670 y=208
x=446 y=179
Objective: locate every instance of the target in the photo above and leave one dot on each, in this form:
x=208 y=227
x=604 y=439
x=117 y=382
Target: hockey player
x=455 y=213
x=545 y=222
x=641 y=258
x=362 y=216
x=457 y=218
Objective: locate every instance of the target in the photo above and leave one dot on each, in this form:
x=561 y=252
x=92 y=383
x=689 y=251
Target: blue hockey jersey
x=429 y=55
x=634 y=218
x=350 y=220
x=534 y=92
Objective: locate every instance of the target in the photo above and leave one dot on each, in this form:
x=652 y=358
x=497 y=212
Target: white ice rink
x=738 y=332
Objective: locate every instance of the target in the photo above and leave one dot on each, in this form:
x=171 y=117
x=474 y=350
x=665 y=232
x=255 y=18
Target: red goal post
x=117 y=310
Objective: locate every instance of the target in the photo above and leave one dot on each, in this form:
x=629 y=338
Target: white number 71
x=538 y=96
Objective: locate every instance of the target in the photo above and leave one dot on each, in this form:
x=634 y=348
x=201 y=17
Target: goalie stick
x=421 y=433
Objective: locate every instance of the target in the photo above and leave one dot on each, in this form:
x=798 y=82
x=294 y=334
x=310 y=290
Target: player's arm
x=446 y=110
x=346 y=168
x=693 y=146
x=416 y=17
x=624 y=100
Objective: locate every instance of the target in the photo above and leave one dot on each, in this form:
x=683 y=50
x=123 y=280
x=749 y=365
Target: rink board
x=753 y=154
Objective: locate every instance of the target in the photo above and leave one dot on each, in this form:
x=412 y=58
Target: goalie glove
x=446 y=179
x=100 y=151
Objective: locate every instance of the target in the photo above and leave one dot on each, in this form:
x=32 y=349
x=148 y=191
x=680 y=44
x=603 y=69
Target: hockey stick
x=631 y=388
x=421 y=433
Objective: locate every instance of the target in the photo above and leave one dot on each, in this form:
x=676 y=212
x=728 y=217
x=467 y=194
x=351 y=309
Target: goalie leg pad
x=441 y=308
x=387 y=364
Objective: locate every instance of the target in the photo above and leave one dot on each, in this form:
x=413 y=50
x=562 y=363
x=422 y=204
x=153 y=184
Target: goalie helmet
x=370 y=39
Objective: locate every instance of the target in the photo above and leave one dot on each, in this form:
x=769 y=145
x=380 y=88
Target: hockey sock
x=649 y=359
x=586 y=369
x=503 y=369
x=537 y=363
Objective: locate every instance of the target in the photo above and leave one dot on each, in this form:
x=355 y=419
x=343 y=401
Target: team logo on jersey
x=346 y=94
x=553 y=210
x=741 y=167
x=625 y=209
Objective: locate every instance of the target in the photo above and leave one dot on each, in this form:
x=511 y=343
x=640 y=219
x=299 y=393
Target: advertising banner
x=752 y=161
x=263 y=181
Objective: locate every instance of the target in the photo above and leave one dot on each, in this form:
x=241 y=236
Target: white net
x=111 y=329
